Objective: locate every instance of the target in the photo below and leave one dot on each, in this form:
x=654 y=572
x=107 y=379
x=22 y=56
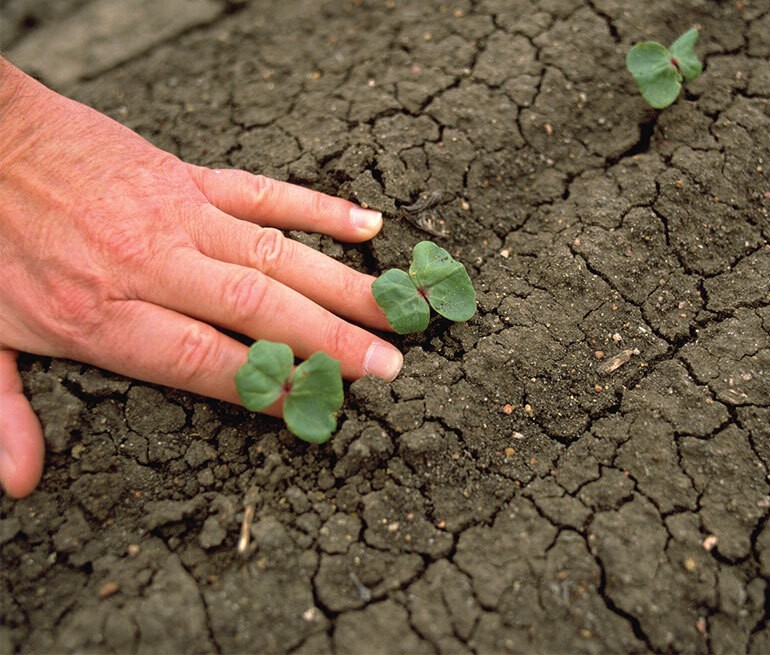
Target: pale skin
x=118 y=254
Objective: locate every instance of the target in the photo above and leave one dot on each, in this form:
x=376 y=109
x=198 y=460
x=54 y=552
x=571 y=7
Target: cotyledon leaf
x=659 y=81
x=444 y=281
x=261 y=380
x=406 y=310
x=316 y=395
x=682 y=50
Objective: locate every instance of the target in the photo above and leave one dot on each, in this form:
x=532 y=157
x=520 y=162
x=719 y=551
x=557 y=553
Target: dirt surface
x=582 y=468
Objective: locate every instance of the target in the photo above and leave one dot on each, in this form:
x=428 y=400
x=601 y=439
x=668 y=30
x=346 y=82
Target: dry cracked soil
x=581 y=468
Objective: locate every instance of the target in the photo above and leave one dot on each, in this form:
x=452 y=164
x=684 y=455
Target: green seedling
x=435 y=280
x=659 y=72
x=312 y=394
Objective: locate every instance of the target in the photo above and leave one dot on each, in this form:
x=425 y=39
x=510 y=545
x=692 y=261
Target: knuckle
x=269 y=249
x=264 y=189
x=244 y=294
x=198 y=354
x=321 y=207
x=118 y=243
x=354 y=287
x=339 y=339
x=75 y=313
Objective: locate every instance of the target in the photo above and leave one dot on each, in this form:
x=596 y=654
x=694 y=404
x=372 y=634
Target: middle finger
x=324 y=280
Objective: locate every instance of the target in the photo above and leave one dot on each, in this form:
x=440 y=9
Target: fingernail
x=383 y=361
x=366 y=220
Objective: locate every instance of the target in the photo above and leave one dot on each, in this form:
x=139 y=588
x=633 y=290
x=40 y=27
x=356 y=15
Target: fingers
x=324 y=280
x=22 y=446
x=268 y=202
x=251 y=303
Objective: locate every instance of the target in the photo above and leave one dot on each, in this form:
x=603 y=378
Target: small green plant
x=435 y=280
x=312 y=394
x=659 y=72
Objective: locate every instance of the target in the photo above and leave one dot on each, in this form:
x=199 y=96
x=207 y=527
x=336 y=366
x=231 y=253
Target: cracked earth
x=583 y=467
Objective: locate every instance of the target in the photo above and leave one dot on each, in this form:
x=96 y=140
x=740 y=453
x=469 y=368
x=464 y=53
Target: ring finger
x=247 y=301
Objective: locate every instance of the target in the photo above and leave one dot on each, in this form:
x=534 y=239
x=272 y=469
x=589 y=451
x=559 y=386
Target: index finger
x=268 y=202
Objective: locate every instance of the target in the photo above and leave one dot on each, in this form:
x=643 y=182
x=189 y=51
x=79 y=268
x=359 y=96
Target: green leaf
x=316 y=395
x=658 y=79
x=406 y=310
x=260 y=381
x=682 y=51
x=444 y=280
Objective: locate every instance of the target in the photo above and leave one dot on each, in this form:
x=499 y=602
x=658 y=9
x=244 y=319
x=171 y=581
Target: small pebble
x=510 y=452
x=108 y=589
x=709 y=542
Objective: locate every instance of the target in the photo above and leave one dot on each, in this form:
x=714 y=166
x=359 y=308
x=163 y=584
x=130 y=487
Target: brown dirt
x=583 y=467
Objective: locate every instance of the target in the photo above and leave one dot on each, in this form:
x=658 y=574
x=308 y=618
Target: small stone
x=212 y=534
x=690 y=564
x=108 y=589
x=599 y=354
x=614 y=363
x=598 y=388
x=710 y=542
x=510 y=452
x=518 y=435
x=133 y=550
x=507 y=408
x=310 y=614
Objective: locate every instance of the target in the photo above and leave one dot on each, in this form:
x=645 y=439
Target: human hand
x=120 y=255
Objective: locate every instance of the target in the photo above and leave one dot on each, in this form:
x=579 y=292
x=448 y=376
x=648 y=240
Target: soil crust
x=582 y=467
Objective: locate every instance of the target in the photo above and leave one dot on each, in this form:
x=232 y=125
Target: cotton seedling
x=435 y=280
x=659 y=72
x=312 y=392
